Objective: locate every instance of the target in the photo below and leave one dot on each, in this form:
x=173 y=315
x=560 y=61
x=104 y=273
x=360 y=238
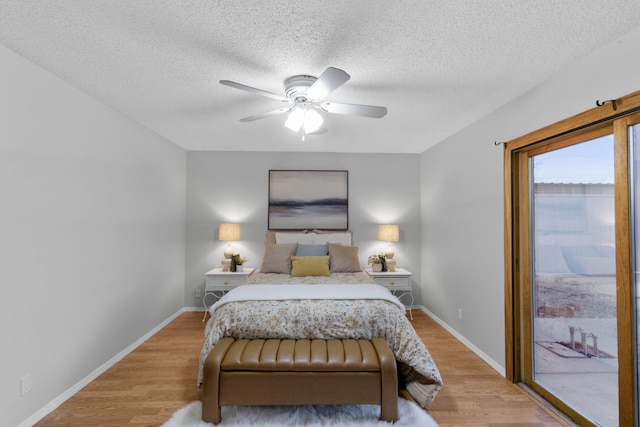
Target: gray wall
x=462 y=234
x=233 y=187
x=462 y=193
x=92 y=241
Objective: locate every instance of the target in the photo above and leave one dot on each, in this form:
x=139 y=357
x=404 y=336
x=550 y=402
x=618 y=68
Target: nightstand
x=398 y=282
x=219 y=282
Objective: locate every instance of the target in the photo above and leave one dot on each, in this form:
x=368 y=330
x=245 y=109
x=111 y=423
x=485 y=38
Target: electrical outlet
x=459 y=314
x=198 y=293
x=25 y=384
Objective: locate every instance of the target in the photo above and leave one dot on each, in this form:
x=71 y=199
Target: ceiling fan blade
x=322 y=129
x=355 y=109
x=254 y=90
x=330 y=80
x=267 y=114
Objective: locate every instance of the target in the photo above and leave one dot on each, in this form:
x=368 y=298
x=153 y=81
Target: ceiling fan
x=306 y=93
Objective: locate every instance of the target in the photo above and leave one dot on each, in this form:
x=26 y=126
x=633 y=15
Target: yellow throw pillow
x=309 y=266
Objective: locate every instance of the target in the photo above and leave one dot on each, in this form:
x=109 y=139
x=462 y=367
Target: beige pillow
x=277 y=258
x=343 y=259
x=309 y=266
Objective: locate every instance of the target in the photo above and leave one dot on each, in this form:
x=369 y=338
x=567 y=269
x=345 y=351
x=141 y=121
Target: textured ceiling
x=437 y=66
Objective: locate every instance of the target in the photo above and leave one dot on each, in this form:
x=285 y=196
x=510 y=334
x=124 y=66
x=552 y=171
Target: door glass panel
x=573 y=283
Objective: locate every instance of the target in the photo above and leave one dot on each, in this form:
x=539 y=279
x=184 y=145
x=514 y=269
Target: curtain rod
x=586 y=125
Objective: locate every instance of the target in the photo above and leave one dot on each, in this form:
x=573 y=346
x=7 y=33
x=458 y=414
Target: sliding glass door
x=572 y=263
x=571 y=296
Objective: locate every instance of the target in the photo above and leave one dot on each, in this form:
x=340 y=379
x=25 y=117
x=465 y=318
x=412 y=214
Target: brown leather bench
x=300 y=372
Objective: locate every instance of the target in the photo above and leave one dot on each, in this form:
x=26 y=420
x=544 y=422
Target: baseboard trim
x=48 y=408
x=495 y=365
x=194 y=309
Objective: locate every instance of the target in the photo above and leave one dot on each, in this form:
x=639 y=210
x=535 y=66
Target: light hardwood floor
x=159 y=377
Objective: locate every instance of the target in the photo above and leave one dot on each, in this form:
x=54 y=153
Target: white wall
x=233 y=187
x=462 y=192
x=92 y=234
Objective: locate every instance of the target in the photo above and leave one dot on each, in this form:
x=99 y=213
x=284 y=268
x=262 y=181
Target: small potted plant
x=376 y=261
x=239 y=261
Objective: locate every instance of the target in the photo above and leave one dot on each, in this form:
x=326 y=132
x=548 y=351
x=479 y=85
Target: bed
x=299 y=294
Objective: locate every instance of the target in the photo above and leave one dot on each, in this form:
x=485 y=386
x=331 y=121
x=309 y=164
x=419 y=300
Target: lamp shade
x=229 y=232
x=388 y=233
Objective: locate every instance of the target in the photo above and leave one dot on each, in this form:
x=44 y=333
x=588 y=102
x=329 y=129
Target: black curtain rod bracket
x=613 y=102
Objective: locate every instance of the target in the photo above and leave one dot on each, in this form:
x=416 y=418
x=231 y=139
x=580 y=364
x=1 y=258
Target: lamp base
x=391 y=264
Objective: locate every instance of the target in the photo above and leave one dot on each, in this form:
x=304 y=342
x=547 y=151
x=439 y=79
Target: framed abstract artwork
x=308 y=199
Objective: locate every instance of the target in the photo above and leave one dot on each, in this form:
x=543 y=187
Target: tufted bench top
x=291 y=355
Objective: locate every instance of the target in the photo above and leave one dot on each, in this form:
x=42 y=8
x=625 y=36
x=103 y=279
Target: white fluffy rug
x=305 y=415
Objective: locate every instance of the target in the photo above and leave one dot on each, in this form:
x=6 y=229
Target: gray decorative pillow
x=343 y=259
x=277 y=258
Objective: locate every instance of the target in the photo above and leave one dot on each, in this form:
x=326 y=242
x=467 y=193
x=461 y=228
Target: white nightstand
x=398 y=282
x=219 y=282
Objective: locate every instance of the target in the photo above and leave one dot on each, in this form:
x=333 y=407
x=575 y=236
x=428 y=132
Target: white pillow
x=302 y=238
x=343 y=239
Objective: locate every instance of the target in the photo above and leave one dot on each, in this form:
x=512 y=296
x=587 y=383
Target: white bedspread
x=307 y=292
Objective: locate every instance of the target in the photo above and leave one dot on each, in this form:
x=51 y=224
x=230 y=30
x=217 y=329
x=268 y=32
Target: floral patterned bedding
x=279 y=317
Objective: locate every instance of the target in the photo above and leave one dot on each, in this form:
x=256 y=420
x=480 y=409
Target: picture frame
x=308 y=199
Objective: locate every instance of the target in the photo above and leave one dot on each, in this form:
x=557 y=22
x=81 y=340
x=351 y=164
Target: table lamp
x=228 y=232
x=389 y=233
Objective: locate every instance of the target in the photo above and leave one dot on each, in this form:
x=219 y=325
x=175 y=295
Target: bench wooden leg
x=389 y=381
x=211 y=412
x=388 y=413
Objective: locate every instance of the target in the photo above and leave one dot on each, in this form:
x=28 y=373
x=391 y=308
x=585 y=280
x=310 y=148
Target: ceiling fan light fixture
x=295 y=119
x=312 y=121
x=303 y=117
